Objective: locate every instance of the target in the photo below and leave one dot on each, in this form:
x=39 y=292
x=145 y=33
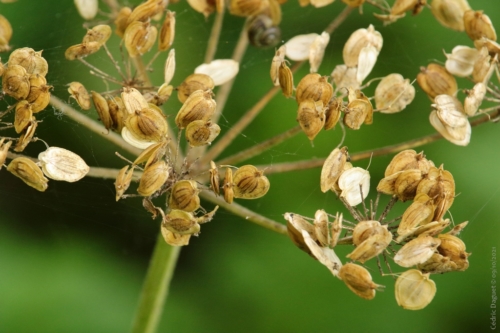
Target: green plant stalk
x=156 y=286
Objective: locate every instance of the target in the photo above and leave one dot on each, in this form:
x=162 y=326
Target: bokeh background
x=73 y=260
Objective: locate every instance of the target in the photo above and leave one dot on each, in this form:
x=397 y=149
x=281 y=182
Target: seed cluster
x=421 y=233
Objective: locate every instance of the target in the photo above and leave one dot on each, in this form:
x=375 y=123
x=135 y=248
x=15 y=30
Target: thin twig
x=245 y=213
x=260 y=147
x=214 y=36
x=92 y=125
x=391 y=149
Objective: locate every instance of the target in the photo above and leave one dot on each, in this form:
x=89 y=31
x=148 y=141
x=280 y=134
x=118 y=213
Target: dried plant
x=181 y=151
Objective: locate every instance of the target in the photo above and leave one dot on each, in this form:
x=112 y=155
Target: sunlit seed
x=250 y=183
x=414 y=290
x=28 y=172
x=62 y=164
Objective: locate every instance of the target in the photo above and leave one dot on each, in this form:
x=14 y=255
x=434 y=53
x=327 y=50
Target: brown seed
x=32 y=61
x=167 y=32
x=202 y=6
x=214 y=178
x=201 y=132
x=5 y=34
x=181 y=222
x=80 y=94
x=99 y=33
x=4 y=149
x=147 y=10
x=358 y=280
x=193 y=83
x=102 y=108
x=295 y=225
x=184 y=196
x=333 y=168
x=314 y=86
x=147 y=124
x=228 y=186
x=23 y=116
x=139 y=37
x=311 y=117
x=15 y=82
x=247 y=7
x=250 y=183
x=117 y=113
x=27 y=136
x=81 y=50
x=478 y=25
x=439 y=185
x=29 y=172
x=153 y=178
x=356 y=113
x=333 y=112
x=279 y=57
x=371 y=247
x=435 y=80
x=285 y=79
x=121 y=21
x=401 y=6
x=123 y=180
x=152 y=154
x=198 y=106
x=406 y=160
x=39 y=95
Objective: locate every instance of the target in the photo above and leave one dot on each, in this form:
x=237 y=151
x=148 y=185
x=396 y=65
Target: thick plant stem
x=156 y=286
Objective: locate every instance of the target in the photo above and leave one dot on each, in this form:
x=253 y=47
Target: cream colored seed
x=416 y=251
x=414 y=290
x=153 y=178
x=4 y=149
x=123 y=180
x=450 y=13
x=27 y=136
x=31 y=60
x=333 y=167
x=99 y=33
x=285 y=80
x=80 y=94
x=61 y=164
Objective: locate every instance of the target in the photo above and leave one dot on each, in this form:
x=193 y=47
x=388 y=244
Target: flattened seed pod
x=250 y=183
x=153 y=178
x=414 y=290
x=61 y=164
x=80 y=94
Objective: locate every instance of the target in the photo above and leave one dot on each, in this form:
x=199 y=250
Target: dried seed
x=333 y=113
x=314 y=86
x=117 y=113
x=345 y=77
x=27 y=136
x=435 y=80
x=461 y=60
x=371 y=247
x=358 y=280
x=317 y=51
x=167 y=32
x=295 y=225
x=220 y=70
x=250 y=183
x=414 y=290
x=298 y=47
x=228 y=186
x=324 y=255
x=201 y=132
x=81 y=50
x=100 y=34
x=121 y=20
x=285 y=80
x=39 y=95
x=393 y=93
x=198 y=106
x=80 y=94
x=153 y=178
x=358 y=40
x=15 y=82
x=169 y=67
x=355 y=185
x=147 y=124
x=478 y=25
x=247 y=8
x=357 y=113
x=406 y=160
x=416 y=251
x=147 y=10
x=450 y=13
x=61 y=164
x=278 y=59
x=5 y=34
x=202 y=6
x=139 y=37
x=102 y=108
x=192 y=83
x=214 y=178
x=311 y=117
x=474 y=99
x=31 y=60
x=181 y=222
x=333 y=167
x=133 y=100
x=23 y=116
x=184 y=196
x=4 y=149
x=29 y=172
x=123 y=180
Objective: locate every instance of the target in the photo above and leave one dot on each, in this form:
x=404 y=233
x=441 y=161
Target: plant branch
x=245 y=213
x=156 y=286
x=261 y=147
x=214 y=36
x=318 y=162
x=93 y=125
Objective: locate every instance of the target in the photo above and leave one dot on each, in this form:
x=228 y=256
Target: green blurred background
x=73 y=260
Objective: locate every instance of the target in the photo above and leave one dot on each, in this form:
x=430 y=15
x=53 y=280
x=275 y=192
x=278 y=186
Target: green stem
x=156 y=286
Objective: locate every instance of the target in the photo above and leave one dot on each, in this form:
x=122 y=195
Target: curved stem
x=156 y=286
